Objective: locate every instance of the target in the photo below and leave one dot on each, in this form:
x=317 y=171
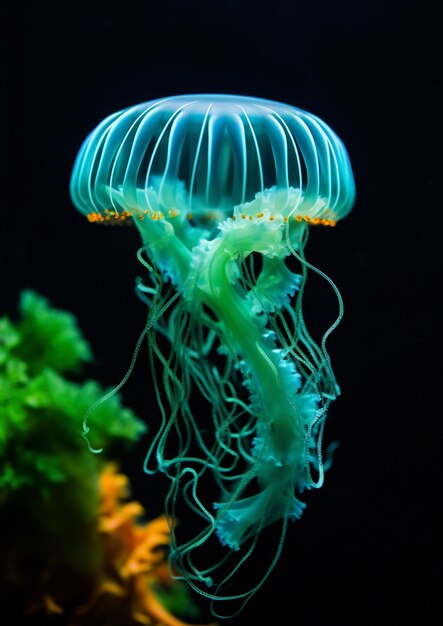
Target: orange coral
x=133 y=559
x=132 y=564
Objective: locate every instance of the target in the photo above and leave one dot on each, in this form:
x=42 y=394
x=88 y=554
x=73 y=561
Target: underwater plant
x=71 y=546
x=134 y=586
x=223 y=190
x=40 y=406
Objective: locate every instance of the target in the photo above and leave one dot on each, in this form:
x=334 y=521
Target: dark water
x=364 y=552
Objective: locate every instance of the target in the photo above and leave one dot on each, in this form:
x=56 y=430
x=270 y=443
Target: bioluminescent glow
x=224 y=190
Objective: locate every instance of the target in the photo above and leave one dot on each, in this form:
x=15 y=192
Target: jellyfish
x=224 y=190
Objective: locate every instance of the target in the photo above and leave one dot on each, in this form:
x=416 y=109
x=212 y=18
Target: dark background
x=365 y=550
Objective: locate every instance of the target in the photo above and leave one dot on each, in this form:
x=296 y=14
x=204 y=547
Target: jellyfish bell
x=212 y=182
x=193 y=161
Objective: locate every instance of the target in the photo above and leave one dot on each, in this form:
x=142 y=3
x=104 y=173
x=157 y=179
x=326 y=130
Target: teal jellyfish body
x=223 y=190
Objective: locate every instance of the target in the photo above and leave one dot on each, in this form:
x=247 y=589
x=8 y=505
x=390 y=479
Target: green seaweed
x=40 y=410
